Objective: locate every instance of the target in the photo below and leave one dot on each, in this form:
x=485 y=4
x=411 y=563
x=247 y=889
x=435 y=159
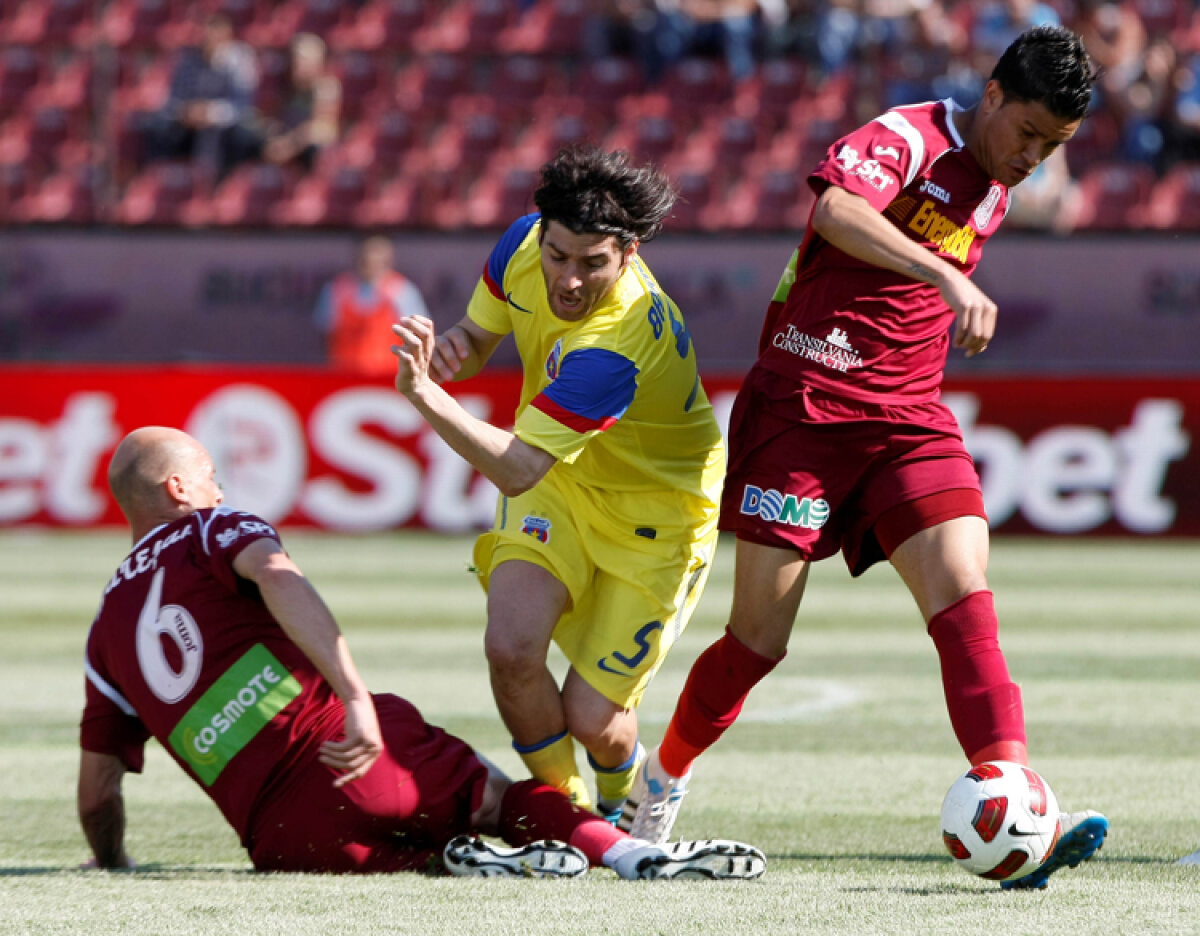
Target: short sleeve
x=875 y=161
x=109 y=724
x=489 y=307
x=594 y=388
x=225 y=534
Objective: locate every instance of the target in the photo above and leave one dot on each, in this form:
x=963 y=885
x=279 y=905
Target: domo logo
x=775 y=507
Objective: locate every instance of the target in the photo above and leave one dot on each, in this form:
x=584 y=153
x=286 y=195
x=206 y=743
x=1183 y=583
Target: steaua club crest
x=553 y=359
x=537 y=527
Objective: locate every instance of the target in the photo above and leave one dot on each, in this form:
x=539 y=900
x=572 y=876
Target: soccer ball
x=1000 y=820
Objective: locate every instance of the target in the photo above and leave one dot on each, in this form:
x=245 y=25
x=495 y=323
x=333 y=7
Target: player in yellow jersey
x=610 y=479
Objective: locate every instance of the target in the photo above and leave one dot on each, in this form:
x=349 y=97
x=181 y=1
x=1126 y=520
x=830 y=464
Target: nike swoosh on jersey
x=513 y=302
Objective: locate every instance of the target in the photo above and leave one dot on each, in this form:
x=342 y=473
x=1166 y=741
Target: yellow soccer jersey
x=616 y=398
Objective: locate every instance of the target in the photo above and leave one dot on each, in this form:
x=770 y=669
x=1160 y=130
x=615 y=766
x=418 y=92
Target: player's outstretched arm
x=102 y=809
x=306 y=619
x=850 y=223
x=461 y=351
x=510 y=464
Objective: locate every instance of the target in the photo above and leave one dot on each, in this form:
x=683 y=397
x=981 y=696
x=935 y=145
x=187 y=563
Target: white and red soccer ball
x=1000 y=820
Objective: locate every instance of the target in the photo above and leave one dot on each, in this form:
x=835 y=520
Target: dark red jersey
x=185 y=650
x=857 y=330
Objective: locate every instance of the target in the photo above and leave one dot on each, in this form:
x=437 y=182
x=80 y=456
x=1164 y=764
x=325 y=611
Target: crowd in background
x=413 y=113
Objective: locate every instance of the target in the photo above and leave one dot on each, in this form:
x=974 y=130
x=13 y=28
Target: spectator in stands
x=666 y=31
x=210 y=106
x=309 y=116
x=357 y=309
x=1183 y=135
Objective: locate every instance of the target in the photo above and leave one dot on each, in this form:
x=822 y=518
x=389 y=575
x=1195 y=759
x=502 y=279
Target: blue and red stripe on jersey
x=502 y=254
x=593 y=390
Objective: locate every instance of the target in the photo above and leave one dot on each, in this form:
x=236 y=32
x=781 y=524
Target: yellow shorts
x=632 y=594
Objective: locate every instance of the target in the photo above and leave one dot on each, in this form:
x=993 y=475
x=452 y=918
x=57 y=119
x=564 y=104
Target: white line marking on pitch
x=798 y=699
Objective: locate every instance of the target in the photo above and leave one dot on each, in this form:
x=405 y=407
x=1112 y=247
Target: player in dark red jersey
x=210 y=639
x=838 y=440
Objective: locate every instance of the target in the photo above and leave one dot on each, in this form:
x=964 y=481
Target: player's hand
x=974 y=314
x=414 y=351
x=453 y=347
x=361 y=746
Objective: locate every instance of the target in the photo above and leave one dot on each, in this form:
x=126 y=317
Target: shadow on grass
x=160 y=871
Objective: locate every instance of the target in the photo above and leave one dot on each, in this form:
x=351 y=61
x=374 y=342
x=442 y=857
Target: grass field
x=836 y=769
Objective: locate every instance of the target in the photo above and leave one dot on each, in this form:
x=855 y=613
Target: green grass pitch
x=836 y=769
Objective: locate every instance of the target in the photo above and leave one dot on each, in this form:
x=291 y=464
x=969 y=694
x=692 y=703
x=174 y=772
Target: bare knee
x=486 y=819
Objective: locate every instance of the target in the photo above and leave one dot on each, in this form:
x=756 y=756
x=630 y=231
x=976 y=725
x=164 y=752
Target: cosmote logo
x=784 y=508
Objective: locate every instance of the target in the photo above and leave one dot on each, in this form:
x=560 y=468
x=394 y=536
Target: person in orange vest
x=356 y=310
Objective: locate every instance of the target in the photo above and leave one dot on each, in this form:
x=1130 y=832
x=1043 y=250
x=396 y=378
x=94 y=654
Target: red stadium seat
x=1174 y=202
x=360 y=78
x=468 y=27
x=429 y=83
x=499 y=198
x=692 y=207
x=769 y=95
x=276 y=27
x=20 y=71
x=324 y=201
x=138 y=22
x=16 y=179
x=549 y=27
x=602 y=84
x=166 y=194
x=776 y=199
x=1109 y=195
x=248 y=196
x=67 y=23
x=648 y=137
x=67 y=197
x=399 y=202
x=381 y=144
x=383 y=26
x=697 y=88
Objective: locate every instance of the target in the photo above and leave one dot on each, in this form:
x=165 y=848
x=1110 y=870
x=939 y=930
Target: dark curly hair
x=590 y=191
x=1048 y=65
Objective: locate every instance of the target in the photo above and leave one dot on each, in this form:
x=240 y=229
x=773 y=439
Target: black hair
x=590 y=191
x=1048 y=65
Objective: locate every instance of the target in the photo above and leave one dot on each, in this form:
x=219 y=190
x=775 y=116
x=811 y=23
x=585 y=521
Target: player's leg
x=768 y=585
x=550 y=837
x=609 y=733
x=525 y=602
x=945 y=568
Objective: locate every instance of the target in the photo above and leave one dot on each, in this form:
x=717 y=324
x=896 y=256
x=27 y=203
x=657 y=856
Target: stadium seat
x=248 y=196
x=274 y=28
x=324 y=201
x=468 y=27
x=769 y=95
x=138 y=22
x=429 y=83
x=1097 y=140
x=1174 y=202
x=66 y=197
x=692 y=207
x=398 y=202
x=16 y=178
x=773 y=200
x=516 y=82
x=359 y=75
x=21 y=69
x=1109 y=195
x=69 y=88
x=696 y=89
x=502 y=195
x=647 y=137
x=383 y=26
x=549 y=27
x=166 y=194
x=60 y=23
x=602 y=84
x=380 y=144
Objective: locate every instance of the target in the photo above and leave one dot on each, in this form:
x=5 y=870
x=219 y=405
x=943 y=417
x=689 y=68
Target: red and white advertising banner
x=318 y=449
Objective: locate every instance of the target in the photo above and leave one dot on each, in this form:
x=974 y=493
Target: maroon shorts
x=415 y=798
x=813 y=472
